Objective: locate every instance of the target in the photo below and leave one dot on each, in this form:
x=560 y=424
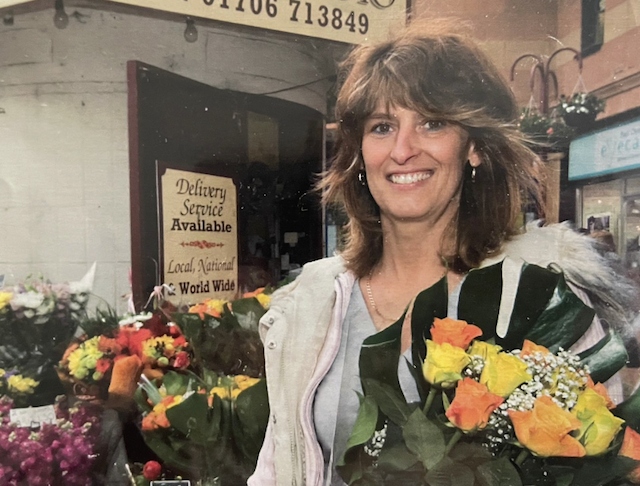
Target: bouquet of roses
x=63 y=452
x=494 y=413
x=37 y=321
x=209 y=421
x=205 y=428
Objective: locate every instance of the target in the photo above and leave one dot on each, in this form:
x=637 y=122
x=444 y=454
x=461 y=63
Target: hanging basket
x=580 y=121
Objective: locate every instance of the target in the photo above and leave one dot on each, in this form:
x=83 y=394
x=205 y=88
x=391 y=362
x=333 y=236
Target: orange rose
x=472 y=405
x=546 y=429
x=456 y=333
x=529 y=348
x=631 y=448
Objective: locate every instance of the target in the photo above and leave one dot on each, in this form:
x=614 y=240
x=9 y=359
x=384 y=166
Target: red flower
x=151 y=470
x=131 y=338
x=182 y=360
x=103 y=365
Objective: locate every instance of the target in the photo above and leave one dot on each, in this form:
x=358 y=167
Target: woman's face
x=415 y=165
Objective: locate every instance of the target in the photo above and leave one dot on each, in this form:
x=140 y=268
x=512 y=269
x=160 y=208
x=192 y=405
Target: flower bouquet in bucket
x=505 y=411
x=208 y=422
x=37 y=321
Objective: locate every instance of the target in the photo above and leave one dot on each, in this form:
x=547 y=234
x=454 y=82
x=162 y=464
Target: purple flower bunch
x=63 y=453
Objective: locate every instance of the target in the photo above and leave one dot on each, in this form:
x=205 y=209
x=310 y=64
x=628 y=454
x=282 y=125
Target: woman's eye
x=381 y=128
x=435 y=124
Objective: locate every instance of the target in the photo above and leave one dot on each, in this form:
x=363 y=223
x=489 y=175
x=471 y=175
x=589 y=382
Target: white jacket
x=301 y=333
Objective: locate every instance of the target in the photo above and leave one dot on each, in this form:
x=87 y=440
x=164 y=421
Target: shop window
x=592 y=35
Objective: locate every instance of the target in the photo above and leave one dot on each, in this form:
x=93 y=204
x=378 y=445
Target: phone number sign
x=351 y=21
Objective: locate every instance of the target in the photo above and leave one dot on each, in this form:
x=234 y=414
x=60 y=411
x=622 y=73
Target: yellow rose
x=5 y=298
x=264 y=299
x=444 y=364
x=483 y=349
x=599 y=425
x=223 y=392
x=503 y=373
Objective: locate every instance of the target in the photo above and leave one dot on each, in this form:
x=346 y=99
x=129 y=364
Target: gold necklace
x=372 y=301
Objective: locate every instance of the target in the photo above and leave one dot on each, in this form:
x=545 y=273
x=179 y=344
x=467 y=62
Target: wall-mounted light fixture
x=190 y=33
x=7 y=18
x=60 y=18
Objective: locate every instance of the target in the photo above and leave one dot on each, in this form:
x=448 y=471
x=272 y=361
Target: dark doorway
x=271 y=148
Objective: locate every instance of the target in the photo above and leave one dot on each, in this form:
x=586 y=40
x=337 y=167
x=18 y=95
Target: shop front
x=604 y=165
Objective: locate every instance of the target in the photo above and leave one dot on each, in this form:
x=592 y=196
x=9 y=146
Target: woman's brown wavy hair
x=432 y=69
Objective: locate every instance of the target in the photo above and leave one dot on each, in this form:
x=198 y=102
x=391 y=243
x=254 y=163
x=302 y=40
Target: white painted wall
x=64 y=181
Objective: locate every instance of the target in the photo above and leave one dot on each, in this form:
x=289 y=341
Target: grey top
x=336 y=403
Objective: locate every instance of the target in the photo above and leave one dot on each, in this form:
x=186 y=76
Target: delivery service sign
x=200 y=236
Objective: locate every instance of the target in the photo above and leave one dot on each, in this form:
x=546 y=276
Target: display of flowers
x=209 y=421
x=61 y=453
x=37 y=321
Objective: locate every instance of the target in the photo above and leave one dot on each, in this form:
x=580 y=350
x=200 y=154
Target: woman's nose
x=405 y=145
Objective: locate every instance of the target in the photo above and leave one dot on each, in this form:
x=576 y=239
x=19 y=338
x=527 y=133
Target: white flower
x=29 y=300
x=137 y=319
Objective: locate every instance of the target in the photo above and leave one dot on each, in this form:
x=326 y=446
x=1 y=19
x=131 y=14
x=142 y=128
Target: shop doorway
x=270 y=147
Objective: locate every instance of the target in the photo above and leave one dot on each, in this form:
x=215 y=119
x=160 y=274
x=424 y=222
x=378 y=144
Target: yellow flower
x=444 y=364
x=483 y=349
x=213 y=307
x=223 y=392
x=84 y=358
x=242 y=382
x=599 y=425
x=503 y=373
x=264 y=299
x=5 y=298
x=21 y=384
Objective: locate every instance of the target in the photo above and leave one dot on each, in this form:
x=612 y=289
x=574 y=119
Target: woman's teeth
x=409 y=178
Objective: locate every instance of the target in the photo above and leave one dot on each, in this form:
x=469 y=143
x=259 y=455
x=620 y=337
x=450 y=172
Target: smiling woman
x=432 y=173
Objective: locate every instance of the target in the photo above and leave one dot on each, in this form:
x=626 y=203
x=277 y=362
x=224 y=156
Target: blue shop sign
x=607 y=151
